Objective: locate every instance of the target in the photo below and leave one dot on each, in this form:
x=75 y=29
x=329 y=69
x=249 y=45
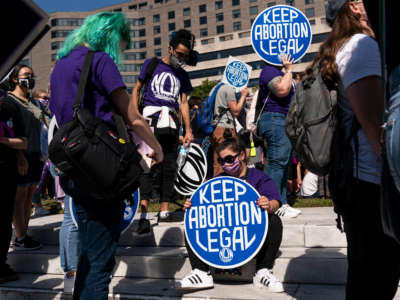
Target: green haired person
x=99 y=223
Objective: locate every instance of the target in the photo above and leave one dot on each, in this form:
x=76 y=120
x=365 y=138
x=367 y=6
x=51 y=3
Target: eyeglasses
x=45 y=98
x=230 y=159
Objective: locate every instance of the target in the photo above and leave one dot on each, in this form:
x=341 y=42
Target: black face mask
x=26 y=82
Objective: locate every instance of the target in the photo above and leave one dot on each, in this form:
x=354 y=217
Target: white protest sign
x=237 y=73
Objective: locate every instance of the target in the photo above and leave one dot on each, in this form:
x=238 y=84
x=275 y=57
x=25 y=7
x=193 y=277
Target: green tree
x=204 y=89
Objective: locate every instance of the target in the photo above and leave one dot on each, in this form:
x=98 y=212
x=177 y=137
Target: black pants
x=265 y=258
x=163 y=173
x=373 y=258
x=8 y=188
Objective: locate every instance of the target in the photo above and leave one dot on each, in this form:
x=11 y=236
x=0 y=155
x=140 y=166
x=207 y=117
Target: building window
x=143 y=4
x=138 y=44
x=156 y=18
x=56 y=45
x=186 y=11
x=236 y=13
x=290 y=2
x=219 y=4
x=187 y=23
x=235 y=2
x=171 y=15
x=138 y=33
x=133 y=7
x=219 y=17
x=271 y=4
x=203 y=20
x=135 y=56
x=60 y=33
x=310 y=12
x=312 y=21
x=157 y=41
x=202 y=8
x=244 y=34
x=203 y=32
x=157 y=52
x=67 y=22
x=253 y=10
x=237 y=26
x=117 y=9
x=171 y=26
x=157 y=29
x=137 y=22
x=220 y=29
x=252 y=1
x=308 y=2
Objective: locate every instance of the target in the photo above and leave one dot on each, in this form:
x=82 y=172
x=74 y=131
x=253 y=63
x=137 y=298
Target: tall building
x=222 y=29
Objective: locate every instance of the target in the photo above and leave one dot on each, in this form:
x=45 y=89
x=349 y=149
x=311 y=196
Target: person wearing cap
x=350 y=59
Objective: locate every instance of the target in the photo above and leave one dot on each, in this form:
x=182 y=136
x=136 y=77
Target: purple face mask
x=232 y=169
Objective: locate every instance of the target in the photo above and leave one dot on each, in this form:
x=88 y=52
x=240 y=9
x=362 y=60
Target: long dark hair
x=230 y=142
x=14 y=75
x=344 y=27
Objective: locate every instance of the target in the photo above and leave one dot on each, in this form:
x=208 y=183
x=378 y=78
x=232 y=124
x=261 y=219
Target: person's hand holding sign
x=269 y=205
x=287 y=62
x=187 y=204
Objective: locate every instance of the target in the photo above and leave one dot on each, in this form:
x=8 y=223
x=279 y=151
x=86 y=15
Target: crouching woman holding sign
x=232 y=158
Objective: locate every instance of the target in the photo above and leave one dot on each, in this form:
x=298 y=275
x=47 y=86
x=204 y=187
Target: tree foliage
x=204 y=89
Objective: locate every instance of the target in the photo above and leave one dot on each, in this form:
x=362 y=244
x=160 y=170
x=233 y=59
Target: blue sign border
x=260 y=15
x=259 y=246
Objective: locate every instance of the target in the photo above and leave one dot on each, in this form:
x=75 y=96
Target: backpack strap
x=83 y=80
x=151 y=67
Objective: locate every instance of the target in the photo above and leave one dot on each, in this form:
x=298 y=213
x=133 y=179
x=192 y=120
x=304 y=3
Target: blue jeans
x=271 y=127
x=393 y=127
x=99 y=227
x=69 y=239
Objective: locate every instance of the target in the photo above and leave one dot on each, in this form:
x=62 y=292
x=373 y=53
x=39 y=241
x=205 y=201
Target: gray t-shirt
x=357 y=59
x=225 y=94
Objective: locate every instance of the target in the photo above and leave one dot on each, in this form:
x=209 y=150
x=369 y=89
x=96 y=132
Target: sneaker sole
x=194 y=288
x=259 y=285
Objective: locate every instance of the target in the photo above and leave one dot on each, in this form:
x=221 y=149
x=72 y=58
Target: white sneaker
x=69 y=283
x=40 y=211
x=196 y=280
x=286 y=211
x=265 y=279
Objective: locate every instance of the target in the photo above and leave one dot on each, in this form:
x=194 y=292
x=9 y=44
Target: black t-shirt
x=392 y=47
x=11 y=117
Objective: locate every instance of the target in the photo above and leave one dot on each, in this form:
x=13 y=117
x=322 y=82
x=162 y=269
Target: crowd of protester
x=249 y=142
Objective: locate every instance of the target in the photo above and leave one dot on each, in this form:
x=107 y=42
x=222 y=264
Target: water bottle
x=182 y=156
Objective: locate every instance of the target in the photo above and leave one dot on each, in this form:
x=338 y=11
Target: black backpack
x=100 y=161
x=311 y=122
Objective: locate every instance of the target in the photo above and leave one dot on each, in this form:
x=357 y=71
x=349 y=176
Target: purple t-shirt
x=275 y=103
x=103 y=79
x=165 y=86
x=263 y=184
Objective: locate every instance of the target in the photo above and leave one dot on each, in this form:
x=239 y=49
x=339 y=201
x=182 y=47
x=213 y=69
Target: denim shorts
x=34 y=170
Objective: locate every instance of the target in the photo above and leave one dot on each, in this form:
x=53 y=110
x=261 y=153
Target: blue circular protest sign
x=279 y=30
x=225 y=227
x=129 y=212
x=237 y=74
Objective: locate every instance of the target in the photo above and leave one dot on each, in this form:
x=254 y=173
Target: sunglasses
x=230 y=159
x=181 y=54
